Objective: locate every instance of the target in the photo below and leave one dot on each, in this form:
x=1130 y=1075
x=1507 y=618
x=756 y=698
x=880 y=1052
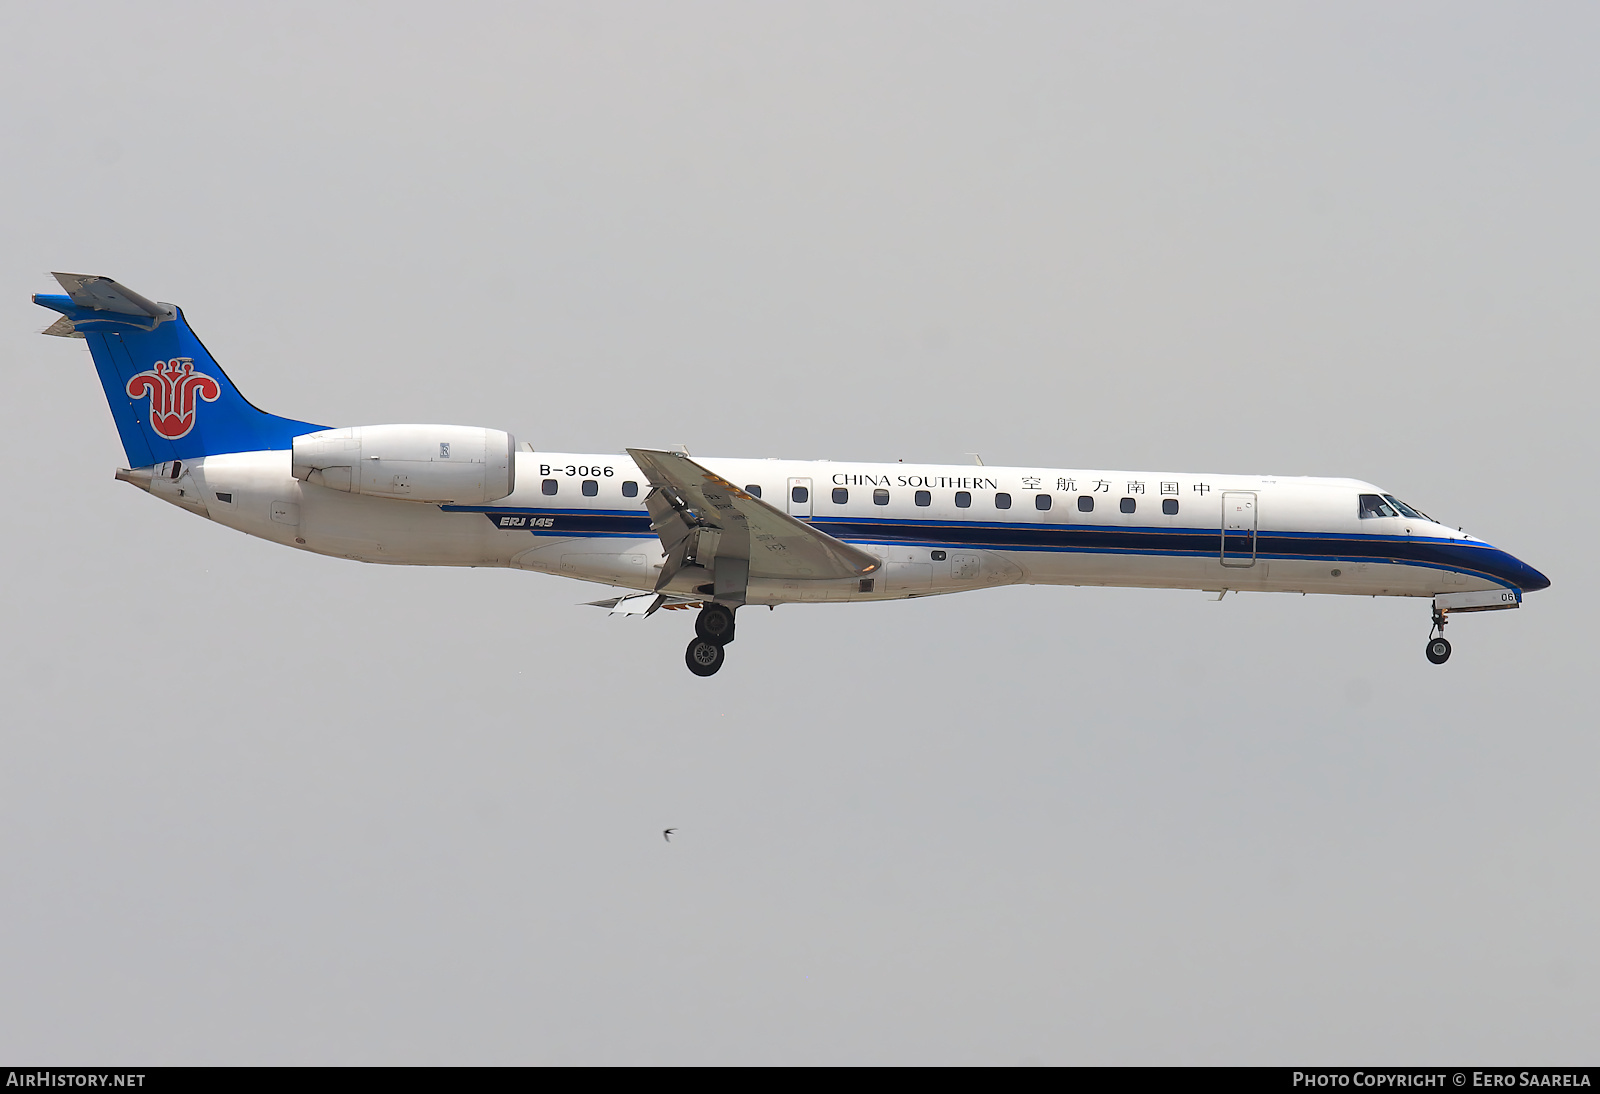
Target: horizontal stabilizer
x=103 y=294
x=62 y=328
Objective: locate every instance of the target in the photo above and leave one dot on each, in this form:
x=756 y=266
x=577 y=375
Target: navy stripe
x=1473 y=558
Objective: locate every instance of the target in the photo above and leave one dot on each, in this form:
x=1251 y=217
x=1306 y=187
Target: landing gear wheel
x=715 y=624
x=704 y=657
x=1438 y=648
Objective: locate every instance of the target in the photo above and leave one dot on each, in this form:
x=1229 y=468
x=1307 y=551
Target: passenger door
x=1239 y=522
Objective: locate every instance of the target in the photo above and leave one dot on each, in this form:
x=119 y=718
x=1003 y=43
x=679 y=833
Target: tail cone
x=140 y=477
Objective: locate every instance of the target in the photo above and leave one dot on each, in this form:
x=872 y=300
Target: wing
x=704 y=520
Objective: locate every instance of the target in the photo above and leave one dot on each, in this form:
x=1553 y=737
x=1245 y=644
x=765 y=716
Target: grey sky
x=263 y=807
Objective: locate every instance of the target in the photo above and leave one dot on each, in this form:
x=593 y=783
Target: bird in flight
x=667 y=834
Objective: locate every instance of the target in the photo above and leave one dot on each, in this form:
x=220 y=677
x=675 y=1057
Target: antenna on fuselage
x=977 y=459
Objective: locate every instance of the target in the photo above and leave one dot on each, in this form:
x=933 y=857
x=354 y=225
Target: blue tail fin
x=170 y=400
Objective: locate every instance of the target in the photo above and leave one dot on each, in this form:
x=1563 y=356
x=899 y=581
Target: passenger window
x=591 y=487
x=1002 y=501
x=1041 y=501
x=938 y=556
x=549 y=486
x=840 y=495
x=963 y=499
x=880 y=497
x=1169 y=506
x=922 y=497
x=753 y=490
x=1129 y=505
x=1085 y=503
x=800 y=495
x=630 y=489
x=1374 y=506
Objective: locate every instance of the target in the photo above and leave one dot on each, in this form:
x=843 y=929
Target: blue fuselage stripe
x=1475 y=558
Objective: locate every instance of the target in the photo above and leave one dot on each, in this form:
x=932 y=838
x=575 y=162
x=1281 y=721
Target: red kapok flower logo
x=172 y=387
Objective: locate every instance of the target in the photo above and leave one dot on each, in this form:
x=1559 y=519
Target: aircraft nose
x=1519 y=573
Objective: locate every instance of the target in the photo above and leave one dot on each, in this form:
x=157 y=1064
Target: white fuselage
x=938 y=529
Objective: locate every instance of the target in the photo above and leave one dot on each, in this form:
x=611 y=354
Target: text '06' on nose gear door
x=1239 y=519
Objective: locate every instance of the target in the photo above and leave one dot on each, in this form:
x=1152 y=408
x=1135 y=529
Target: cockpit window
x=1406 y=510
x=1374 y=506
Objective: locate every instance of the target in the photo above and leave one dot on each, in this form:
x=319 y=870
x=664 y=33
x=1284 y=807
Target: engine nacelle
x=462 y=464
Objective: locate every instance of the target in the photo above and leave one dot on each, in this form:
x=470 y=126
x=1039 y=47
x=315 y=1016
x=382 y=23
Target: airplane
x=667 y=530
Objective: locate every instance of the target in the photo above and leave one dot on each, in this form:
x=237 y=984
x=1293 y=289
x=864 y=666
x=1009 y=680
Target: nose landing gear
x=713 y=629
x=1438 y=647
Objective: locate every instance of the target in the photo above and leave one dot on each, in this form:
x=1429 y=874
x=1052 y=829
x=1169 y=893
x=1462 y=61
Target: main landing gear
x=1438 y=647
x=713 y=629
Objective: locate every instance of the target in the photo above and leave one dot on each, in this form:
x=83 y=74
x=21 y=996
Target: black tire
x=1438 y=650
x=714 y=623
x=704 y=657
